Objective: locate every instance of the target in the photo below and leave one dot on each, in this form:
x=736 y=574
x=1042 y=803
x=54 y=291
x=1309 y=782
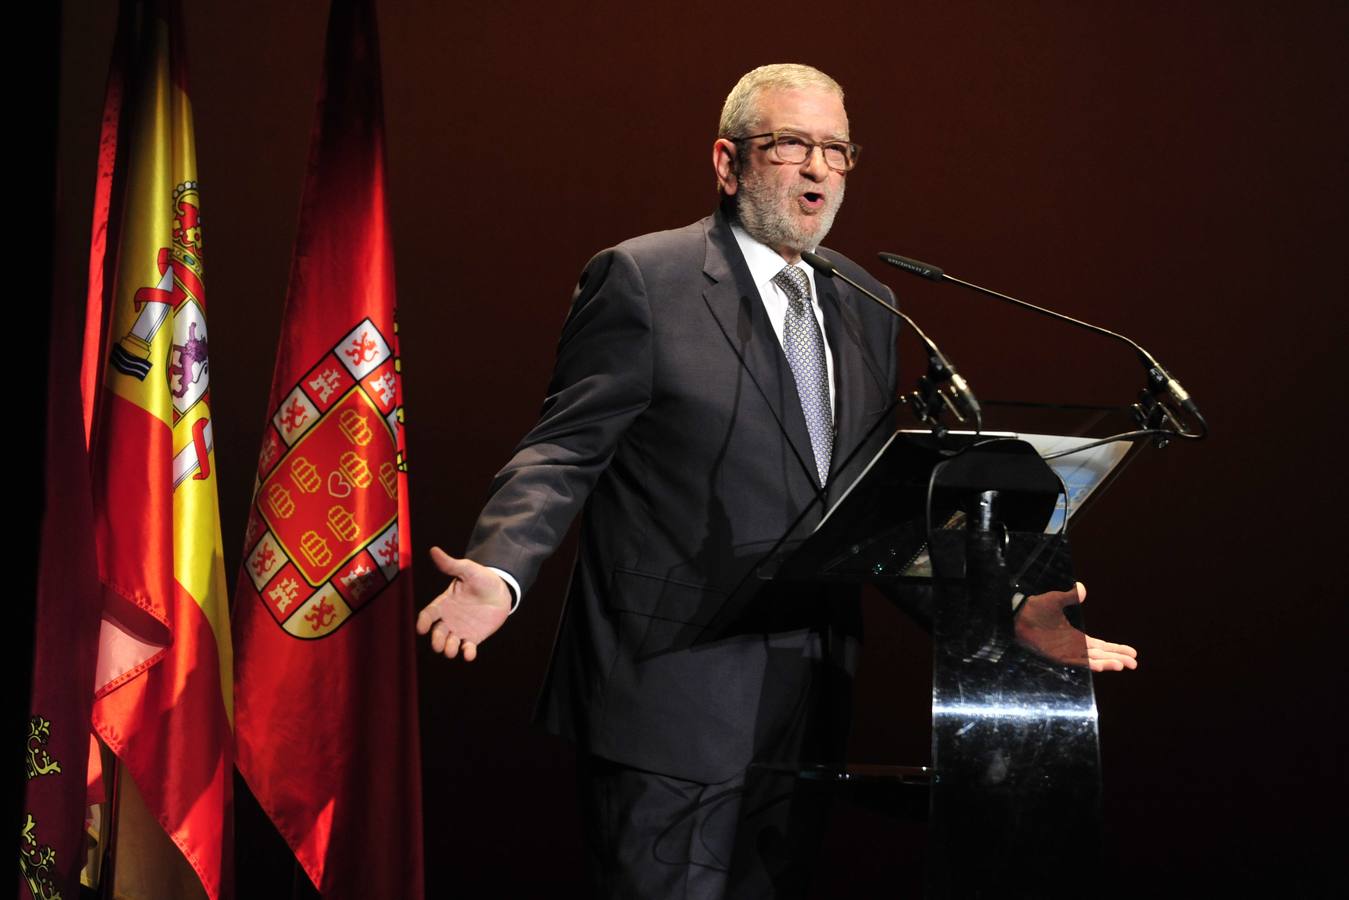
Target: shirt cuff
x=510 y=583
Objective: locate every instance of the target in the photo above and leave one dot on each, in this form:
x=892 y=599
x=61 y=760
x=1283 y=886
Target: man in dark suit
x=709 y=396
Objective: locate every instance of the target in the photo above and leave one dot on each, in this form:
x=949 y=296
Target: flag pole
x=107 y=868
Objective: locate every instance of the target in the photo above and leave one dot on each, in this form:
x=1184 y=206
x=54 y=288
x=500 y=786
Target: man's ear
x=725 y=163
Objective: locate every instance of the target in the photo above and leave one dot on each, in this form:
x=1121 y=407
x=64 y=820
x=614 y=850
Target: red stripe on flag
x=170 y=730
x=133 y=513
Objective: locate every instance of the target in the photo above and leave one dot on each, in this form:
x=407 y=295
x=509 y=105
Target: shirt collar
x=764 y=262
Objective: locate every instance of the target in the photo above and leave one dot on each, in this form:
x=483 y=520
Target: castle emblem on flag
x=176 y=295
x=323 y=536
x=175 y=302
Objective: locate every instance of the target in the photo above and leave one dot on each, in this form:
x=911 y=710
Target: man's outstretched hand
x=469 y=611
x=1040 y=625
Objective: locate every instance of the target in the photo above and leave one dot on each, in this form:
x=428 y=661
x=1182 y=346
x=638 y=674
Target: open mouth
x=812 y=200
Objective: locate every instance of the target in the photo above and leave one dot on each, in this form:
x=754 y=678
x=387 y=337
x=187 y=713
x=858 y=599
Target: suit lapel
x=734 y=301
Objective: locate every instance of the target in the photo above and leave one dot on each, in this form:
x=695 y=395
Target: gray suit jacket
x=673 y=425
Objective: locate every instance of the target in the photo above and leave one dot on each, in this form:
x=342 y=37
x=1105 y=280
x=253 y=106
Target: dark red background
x=1176 y=171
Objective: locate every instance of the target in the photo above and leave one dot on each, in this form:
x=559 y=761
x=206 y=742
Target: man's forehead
x=812 y=111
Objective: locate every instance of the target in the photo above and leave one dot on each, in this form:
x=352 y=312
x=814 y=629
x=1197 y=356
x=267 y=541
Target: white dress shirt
x=764 y=263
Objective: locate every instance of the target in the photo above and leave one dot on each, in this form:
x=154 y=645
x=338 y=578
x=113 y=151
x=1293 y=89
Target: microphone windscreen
x=819 y=263
x=913 y=266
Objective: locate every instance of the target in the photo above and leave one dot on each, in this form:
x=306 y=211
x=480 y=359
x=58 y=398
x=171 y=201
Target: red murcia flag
x=325 y=684
x=162 y=677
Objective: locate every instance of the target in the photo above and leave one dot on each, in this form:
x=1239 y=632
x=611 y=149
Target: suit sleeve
x=601 y=383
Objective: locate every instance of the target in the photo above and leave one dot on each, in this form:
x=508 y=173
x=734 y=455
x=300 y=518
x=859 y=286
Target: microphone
x=927 y=402
x=1152 y=413
x=921 y=269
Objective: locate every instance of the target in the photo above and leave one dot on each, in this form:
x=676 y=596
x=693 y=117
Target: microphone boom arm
x=942 y=388
x=1151 y=411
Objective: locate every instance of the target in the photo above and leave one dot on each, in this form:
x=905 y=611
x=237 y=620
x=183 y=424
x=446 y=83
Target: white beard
x=771 y=216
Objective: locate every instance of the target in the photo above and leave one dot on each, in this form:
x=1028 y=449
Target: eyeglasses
x=794 y=149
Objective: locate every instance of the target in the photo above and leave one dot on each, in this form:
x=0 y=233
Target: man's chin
x=809 y=234
x=791 y=232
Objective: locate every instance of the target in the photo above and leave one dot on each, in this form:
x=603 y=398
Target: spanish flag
x=163 y=675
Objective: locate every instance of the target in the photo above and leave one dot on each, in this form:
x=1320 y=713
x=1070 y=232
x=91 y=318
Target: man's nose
x=815 y=168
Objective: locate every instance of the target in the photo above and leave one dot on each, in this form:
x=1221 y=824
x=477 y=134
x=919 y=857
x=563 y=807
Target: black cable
x=1123 y=436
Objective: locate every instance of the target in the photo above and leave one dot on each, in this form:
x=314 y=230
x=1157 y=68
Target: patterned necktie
x=804 y=346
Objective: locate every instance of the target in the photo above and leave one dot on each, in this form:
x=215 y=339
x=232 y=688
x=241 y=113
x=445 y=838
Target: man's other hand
x=1041 y=626
x=469 y=611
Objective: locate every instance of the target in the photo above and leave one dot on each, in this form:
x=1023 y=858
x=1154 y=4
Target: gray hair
x=740 y=113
